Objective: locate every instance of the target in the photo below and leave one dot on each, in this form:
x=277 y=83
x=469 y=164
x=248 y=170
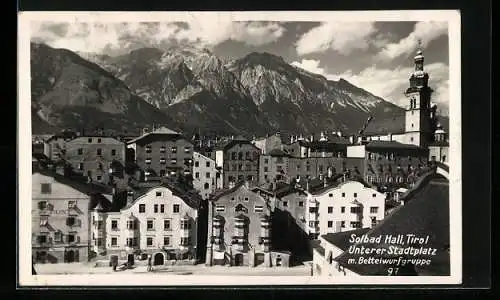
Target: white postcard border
x=24 y=152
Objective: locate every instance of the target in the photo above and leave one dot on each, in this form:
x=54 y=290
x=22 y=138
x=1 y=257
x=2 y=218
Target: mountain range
x=192 y=90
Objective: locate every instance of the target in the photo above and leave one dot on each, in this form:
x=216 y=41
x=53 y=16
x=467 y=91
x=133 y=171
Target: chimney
x=130 y=196
x=291 y=139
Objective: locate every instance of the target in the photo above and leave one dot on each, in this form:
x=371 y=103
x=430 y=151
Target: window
x=71 y=238
x=330 y=224
x=173 y=161
x=147 y=160
x=258 y=208
x=131 y=224
x=330 y=195
x=187 y=149
x=99 y=140
x=433 y=158
x=185 y=224
x=90 y=140
x=71 y=204
x=233 y=155
x=70 y=221
x=355 y=195
x=166 y=241
x=114 y=242
x=176 y=208
x=114 y=224
x=131 y=242
x=444 y=158
x=342 y=209
x=373 y=210
x=162 y=208
x=343 y=195
x=185 y=241
x=374 y=195
x=197 y=175
x=44 y=221
x=342 y=224
x=155 y=208
x=220 y=208
x=149 y=241
x=163 y=149
x=411 y=139
x=80 y=151
x=46 y=188
x=301 y=203
x=374 y=221
x=80 y=166
x=355 y=224
x=166 y=224
x=147 y=148
x=330 y=209
x=99 y=151
x=206 y=186
x=150 y=225
x=285 y=203
x=355 y=210
x=142 y=208
x=42 y=205
x=240 y=155
x=99 y=177
x=207 y=175
x=232 y=198
x=266 y=169
x=58 y=237
x=208 y=164
x=196 y=164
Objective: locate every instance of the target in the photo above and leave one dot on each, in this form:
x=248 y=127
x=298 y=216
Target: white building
x=330 y=246
x=204 y=175
x=158 y=221
x=347 y=206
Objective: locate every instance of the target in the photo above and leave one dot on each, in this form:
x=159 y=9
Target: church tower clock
x=418 y=122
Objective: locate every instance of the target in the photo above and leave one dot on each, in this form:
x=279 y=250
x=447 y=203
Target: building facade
x=60 y=218
x=240 y=160
x=389 y=163
x=162 y=153
x=240 y=230
x=205 y=175
x=99 y=158
x=274 y=166
x=156 y=221
x=268 y=143
x=439 y=148
x=347 y=206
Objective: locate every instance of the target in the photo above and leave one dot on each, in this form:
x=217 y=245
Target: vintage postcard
x=239 y=148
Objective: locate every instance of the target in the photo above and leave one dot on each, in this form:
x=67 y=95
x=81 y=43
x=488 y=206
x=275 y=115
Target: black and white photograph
x=239 y=148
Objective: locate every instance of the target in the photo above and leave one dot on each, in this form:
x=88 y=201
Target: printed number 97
x=392 y=271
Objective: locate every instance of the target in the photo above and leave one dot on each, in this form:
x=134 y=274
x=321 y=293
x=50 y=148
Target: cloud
x=312 y=66
x=95 y=37
x=391 y=83
x=425 y=31
x=343 y=37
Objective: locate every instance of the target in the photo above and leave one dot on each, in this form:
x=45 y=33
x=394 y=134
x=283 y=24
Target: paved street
x=81 y=268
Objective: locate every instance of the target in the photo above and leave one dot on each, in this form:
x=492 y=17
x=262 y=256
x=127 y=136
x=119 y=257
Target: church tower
x=418 y=122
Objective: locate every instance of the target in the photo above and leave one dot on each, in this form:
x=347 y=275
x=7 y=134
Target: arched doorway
x=159 y=259
x=259 y=259
x=70 y=256
x=238 y=259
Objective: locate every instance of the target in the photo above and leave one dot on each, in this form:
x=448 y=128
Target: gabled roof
x=231 y=143
x=341 y=239
x=394 y=125
x=161 y=131
x=427 y=214
x=86 y=188
x=278 y=152
x=190 y=197
x=391 y=145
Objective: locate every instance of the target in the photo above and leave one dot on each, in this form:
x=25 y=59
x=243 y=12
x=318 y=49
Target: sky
x=375 y=56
